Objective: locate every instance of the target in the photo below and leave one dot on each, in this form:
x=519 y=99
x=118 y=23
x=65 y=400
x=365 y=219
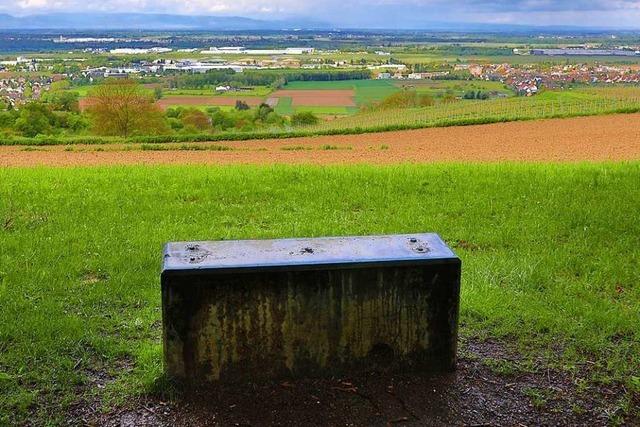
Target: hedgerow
x=300 y=132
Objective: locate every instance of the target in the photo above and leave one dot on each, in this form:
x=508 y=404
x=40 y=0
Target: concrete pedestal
x=268 y=309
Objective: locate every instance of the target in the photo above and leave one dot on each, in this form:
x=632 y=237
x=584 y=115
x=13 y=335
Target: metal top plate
x=310 y=254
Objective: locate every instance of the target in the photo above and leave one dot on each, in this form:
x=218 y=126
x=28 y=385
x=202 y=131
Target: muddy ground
x=600 y=138
x=493 y=386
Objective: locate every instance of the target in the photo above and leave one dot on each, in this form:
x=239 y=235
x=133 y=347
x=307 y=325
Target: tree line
x=125 y=108
x=277 y=78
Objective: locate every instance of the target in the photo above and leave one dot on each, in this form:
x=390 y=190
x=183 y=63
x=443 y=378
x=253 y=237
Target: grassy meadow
x=550 y=260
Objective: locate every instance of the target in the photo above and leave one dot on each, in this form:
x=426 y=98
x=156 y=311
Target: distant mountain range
x=147 y=21
x=158 y=21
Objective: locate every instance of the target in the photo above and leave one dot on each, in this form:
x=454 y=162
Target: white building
x=136 y=51
x=241 y=50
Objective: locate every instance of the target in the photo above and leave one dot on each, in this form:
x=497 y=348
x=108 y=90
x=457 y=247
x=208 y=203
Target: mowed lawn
x=551 y=260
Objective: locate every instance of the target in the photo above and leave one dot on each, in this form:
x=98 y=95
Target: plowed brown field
x=600 y=138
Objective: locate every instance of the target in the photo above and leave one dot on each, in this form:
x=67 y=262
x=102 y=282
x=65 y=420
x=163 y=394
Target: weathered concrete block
x=264 y=309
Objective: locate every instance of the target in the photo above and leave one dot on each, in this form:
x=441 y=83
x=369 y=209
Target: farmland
x=323 y=98
x=339 y=97
x=602 y=138
x=347 y=118
x=366 y=91
x=548 y=105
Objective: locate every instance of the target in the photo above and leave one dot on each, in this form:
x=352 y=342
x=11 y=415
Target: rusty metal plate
x=309 y=253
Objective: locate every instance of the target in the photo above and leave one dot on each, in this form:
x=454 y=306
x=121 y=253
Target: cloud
x=238 y=7
x=372 y=13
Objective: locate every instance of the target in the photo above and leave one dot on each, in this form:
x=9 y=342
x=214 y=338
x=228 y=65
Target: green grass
x=85 y=90
x=202 y=107
x=284 y=106
x=567 y=95
x=327 y=110
x=82 y=90
x=550 y=259
x=258 y=91
x=438 y=88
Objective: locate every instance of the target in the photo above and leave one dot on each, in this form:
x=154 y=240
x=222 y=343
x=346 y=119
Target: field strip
x=597 y=138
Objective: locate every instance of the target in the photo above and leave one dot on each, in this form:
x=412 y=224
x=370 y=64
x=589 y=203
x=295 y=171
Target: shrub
x=195 y=119
x=241 y=105
x=35 y=118
x=304 y=118
x=406 y=99
x=175 y=123
x=263 y=111
x=475 y=95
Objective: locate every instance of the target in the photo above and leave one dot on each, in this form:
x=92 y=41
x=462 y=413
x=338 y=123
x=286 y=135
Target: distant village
x=17 y=90
x=525 y=80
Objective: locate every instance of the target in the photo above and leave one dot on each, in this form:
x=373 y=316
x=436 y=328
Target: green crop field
x=284 y=106
x=327 y=110
x=550 y=260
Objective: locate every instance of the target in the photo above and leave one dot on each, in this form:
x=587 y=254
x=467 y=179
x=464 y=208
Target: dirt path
x=600 y=138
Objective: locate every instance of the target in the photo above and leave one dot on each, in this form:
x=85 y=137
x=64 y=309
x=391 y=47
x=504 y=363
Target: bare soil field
x=600 y=138
x=320 y=98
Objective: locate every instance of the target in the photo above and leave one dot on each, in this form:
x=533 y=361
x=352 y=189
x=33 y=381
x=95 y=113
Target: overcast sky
x=368 y=13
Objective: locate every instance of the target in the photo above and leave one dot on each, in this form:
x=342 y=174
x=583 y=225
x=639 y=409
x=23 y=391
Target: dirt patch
x=99 y=376
x=321 y=98
x=601 y=138
x=477 y=394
